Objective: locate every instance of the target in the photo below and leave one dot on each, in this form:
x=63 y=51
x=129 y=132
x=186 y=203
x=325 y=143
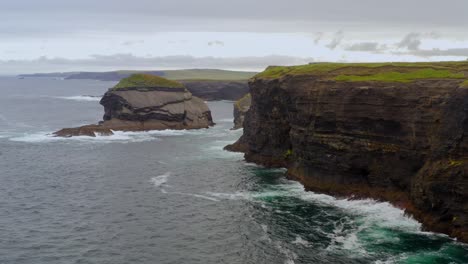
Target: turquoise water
x=172 y=196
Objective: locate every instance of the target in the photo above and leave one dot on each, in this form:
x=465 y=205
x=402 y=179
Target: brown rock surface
x=404 y=142
x=149 y=107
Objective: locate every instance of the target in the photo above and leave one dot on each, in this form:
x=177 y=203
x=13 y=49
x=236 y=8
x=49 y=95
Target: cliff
x=395 y=132
x=145 y=102
x=241 y=107
x=217 y=90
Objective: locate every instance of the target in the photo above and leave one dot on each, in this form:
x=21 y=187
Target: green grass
x=383 y=71
x=146 y=81
x=393 y=76
x=465 y=84
x=243 y=101
x=208 y=74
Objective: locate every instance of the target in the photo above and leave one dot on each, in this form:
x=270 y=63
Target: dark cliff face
x=241 y=107
x=175 y=108
x=217 y=90
x=404 y=142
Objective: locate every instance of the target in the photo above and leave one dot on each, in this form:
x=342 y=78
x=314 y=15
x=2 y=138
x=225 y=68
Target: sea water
x=172 y=196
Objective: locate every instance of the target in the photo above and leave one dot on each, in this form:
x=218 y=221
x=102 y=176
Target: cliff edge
x=389 y=131
x=241 y=107
x=146 y=102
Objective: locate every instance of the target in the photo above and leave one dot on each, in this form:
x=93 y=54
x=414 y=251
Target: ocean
x=172 y=196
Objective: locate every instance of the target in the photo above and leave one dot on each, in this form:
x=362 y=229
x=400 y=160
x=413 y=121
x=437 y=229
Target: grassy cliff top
x=141 y=80
x=244 y=101
x=379 y=72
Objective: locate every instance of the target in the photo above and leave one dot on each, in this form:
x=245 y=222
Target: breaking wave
x=117 y=137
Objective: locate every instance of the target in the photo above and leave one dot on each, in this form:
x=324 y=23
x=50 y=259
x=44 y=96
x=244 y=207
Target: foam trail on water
x=225 y=120
x=230 y=196
x=195 y=195
x=158 y=181
x=81 y=98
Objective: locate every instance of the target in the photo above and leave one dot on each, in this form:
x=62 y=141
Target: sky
x=91 y=35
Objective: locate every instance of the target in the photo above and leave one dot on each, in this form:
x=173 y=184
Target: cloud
x=337 y=39
x=412 y=41
x=216 y=43
x=434 y=35
x=318 y=37
x=129 y=61
x=365 y=46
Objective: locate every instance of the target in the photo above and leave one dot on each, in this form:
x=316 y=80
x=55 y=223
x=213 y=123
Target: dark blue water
x=171 y=196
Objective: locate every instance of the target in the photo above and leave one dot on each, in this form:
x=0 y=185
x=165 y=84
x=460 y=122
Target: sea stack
x=145 y=102
x=389 y=131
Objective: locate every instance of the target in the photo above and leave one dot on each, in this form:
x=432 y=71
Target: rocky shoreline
x=385 y=131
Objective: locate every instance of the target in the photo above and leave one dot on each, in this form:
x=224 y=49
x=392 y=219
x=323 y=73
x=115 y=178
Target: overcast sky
x=91 y=35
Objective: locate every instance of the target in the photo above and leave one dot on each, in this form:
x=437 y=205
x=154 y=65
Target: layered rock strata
x=144 y=102
x=394 y=132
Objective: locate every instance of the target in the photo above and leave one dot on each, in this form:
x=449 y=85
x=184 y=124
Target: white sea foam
x=300 y=241
x=117 y=137
x=373 y=212
x=370 y=212
x=230 y=196
x=391 y=260
x=82 y=98
x=363 y=214
x=289 y=255
x=158 y=181
x=195 y=195
x=225 y=120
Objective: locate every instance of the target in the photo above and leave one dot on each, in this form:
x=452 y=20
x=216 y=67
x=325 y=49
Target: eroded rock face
x=241 y=107
x=402 y=142
x=217 y=90
x=147 y=108
x=160 y=108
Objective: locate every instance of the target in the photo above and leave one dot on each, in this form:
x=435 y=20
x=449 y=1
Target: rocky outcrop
x=395 y=132
x=207 y=84
x=144 y=102
x=217 y=90
x=241 y=107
